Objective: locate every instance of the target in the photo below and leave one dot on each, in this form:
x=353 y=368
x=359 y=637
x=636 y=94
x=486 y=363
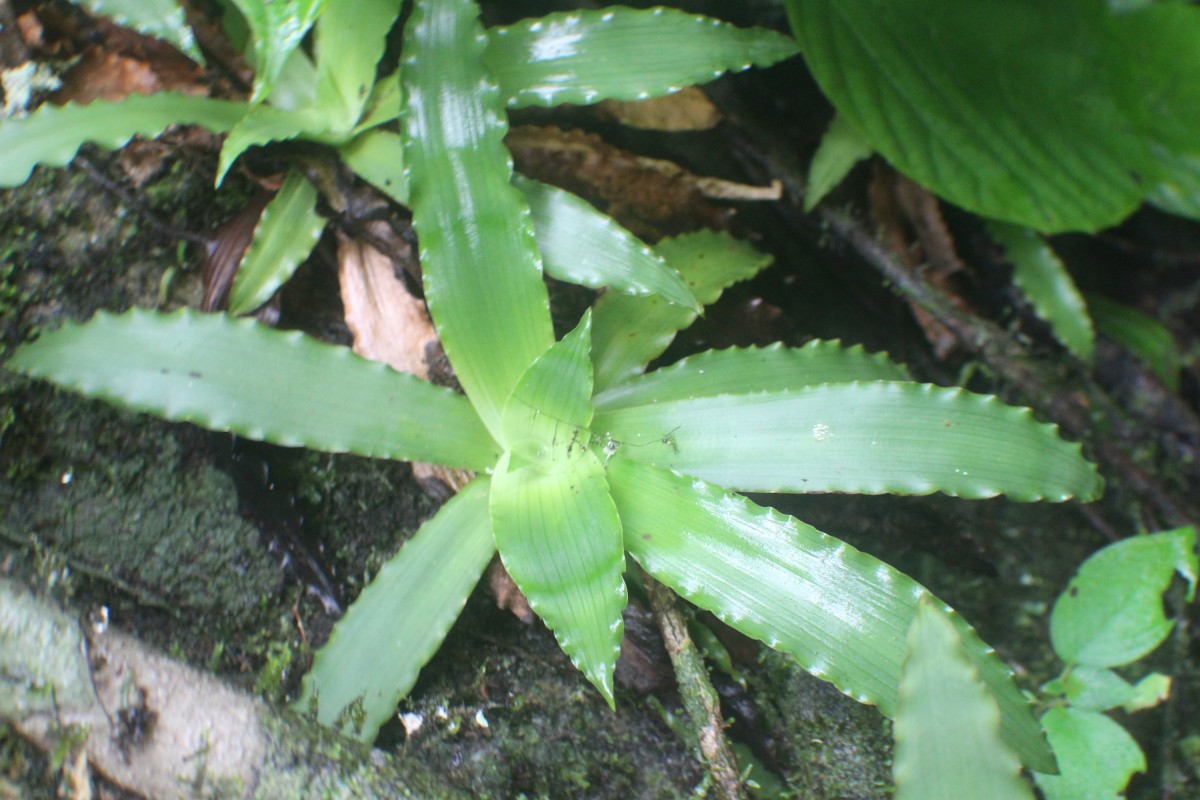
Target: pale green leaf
x=237 y=375
x=841 y=148
x=1142 y=334
x=377 y=156
x=582 y=245
x=1151 y=690
x=947 y=728
x=559 y=536
x=753 y=369
x=553 y=401
x=867 y=438
x=1043 y=278
x=399 y=620
x=1046 y=120
x=287 y=231
x=1112 y=613
x=383 y=105
x=1090 y=688
x=1180 y=192
x=1096 y=756
x=350 y=40
x=264 y=124
x=53 y=134
x=628 y=332
x=841 y=613
x=483 y=274
x=621 y=53
x=162 y=19
x=276 y=28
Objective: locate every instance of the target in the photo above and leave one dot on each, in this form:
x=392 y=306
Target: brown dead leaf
x=104 y=75
x=508 y=595
x=686 y=110
x=651 y=197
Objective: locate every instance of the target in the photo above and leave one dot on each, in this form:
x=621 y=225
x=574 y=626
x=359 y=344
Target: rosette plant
x=581 y=456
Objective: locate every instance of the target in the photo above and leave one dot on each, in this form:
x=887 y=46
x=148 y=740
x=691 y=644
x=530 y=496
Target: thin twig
x=699 y=697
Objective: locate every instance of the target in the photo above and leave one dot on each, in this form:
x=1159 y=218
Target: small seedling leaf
x=621 y=54
x=947 y=727
x=1112 y=612
x=841 y=148
x=399 y=620
x=1096 y=756
x=841 y=613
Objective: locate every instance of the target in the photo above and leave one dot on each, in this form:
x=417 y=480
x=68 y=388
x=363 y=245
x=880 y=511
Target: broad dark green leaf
x=399 y=620
x=53 y=134
x=559 y=536
x=1043 y=278
x=1096 y=756
x=753 y=369
x=276 y=28
x=841 y=613
x=1112 y=611
x=286 y=233
x=162 y=19
x=621 y=53
x=1045 y=118
x=483 y=274
x=867 y=438
x=947 y=727
x=237 y=375
x=582 y=245
x=628 y=332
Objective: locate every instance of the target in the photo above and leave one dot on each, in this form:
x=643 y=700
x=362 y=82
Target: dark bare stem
x=699 y=697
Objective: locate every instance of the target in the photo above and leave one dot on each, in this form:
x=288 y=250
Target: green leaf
x=53 y=134
x=841 y=613
x=399 y=620
x=553 y=401
x=1043 y=278
x=286 y=233
x=841 y=148
x=1091 y=688
x=1112 y=613
x=237 y=375
x=621 y=54
x=758 y=369
x=377 y=156
x=264 y=124
x=1142 y=334
x=1149 y=692
x=1096 y=756
x=162 y=19
x=383 y=105
x=1045 y=120
x=628 y=332
x=582 y=245
x=350 y=40
x=276 y=28
x=947 y=727
x=1180 y=192
x=483 y=274
x=867 y=438
x=560 y=538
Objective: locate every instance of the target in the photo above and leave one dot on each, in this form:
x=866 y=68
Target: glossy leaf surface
x=349 y=42
x=53 y=134
x=483 y=274
x=559 y=536
x=400 y=619
x=1096 y=756
x=162 y=19
x=276 y=28
x=1046 y=120
x=844 y=615
x=1112 y=611
x=1043 y=278
x=240 y=376
x=739 y=370
x=621 y=53
x=628 y=332
x=947 y=727
x=868 y=438
x=584 y=246
x=286 y=233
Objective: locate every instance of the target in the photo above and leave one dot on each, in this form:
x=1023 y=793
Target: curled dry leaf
x=687 y=110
